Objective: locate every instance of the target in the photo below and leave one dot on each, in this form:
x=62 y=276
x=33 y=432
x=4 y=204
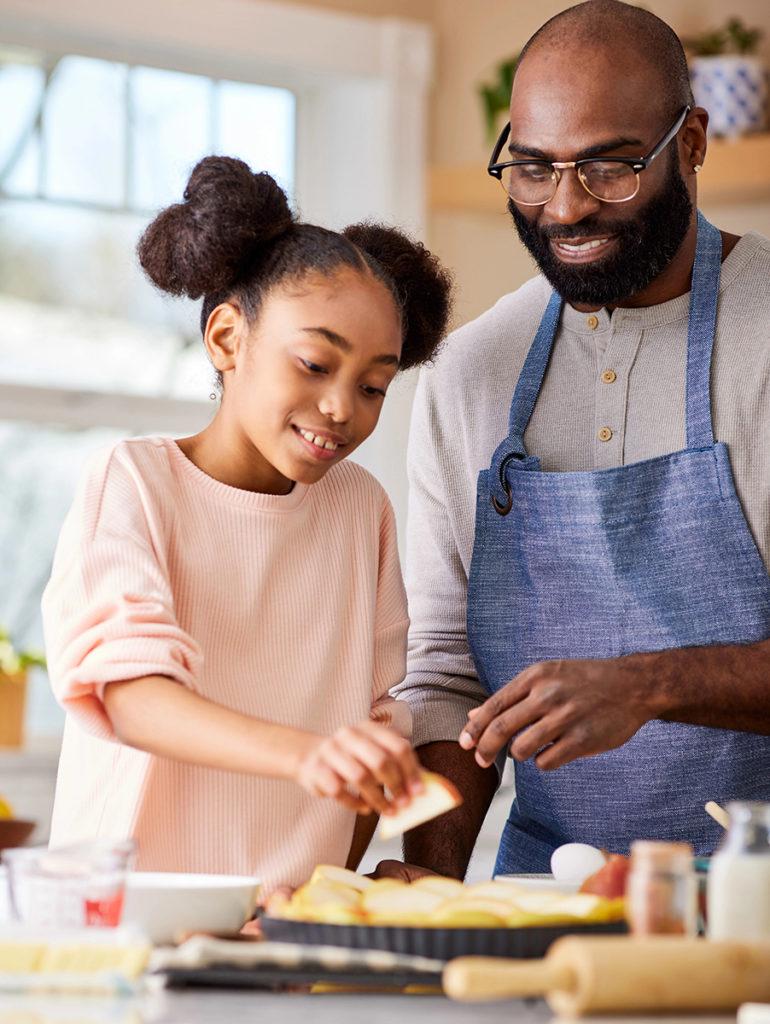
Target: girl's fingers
x=378 y=763
x=326 y=782
x=405 y=755
x=357 y=774
x=382 y=760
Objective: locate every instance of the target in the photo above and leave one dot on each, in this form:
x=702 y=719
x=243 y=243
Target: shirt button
x=604 y=434
x=609 y=377
x=593 y=322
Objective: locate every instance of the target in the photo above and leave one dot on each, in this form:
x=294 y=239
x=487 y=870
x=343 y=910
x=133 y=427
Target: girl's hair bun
x=423 y=287
x=205 y=244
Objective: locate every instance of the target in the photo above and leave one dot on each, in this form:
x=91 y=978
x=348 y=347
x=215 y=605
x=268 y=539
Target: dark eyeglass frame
x=637 y=164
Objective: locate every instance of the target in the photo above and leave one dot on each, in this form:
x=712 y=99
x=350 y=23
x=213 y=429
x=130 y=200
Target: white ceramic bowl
x=163 y=905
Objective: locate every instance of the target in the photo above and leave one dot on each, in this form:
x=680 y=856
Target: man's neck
x=675 y=280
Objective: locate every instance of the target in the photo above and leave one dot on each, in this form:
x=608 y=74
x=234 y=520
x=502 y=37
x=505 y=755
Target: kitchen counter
x=199 y=1006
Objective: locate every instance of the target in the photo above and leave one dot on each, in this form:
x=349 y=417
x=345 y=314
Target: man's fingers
x=562 y=752
x=501 y=729
x=397 y=869
x=538 y=735
x=497 y=705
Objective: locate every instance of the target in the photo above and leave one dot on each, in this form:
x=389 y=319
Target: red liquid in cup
x=104 y=913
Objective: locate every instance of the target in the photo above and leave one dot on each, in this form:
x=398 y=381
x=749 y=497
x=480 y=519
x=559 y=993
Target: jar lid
x=749 y=811
x=662 y=854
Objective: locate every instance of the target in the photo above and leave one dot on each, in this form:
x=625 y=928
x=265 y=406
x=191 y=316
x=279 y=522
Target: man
x=589 y=527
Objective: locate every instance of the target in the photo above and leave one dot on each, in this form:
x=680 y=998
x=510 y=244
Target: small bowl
x=15 y=832
x=165 y=905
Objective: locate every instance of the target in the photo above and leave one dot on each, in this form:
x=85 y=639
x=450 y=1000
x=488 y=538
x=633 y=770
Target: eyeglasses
x=611 y=179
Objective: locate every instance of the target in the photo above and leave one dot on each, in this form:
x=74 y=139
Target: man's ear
x=694 y=139
x=224 y=335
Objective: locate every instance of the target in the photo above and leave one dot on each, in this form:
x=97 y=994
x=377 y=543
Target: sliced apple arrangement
x=335 y=895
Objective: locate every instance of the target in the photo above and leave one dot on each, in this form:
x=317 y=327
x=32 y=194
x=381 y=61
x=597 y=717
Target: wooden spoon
x=719 y=814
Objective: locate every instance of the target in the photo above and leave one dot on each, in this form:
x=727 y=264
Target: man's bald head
x=627 y=32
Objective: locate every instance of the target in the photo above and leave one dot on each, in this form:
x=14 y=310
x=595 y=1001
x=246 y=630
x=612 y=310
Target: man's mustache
x=585 y=229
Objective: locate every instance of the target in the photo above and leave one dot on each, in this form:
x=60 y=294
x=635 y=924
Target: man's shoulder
x=752 y=254
x=748 y=262
x=501 y=330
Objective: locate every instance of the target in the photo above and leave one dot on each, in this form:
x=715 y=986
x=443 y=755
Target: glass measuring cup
x=73 y=886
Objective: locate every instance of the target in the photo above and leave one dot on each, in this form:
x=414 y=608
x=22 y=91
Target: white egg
x=574 y=862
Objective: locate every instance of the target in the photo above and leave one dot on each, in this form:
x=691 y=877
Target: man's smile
x=582 y=250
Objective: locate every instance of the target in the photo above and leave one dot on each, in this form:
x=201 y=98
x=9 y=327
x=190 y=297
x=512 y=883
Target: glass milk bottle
x=739 y=876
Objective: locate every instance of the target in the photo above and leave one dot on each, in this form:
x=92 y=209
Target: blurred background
x=360 y=108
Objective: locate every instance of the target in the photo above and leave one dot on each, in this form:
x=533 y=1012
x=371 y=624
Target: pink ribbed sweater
x=288 y=608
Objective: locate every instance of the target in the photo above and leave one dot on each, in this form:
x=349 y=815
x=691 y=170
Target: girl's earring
x=696 y=168
x=213 y=396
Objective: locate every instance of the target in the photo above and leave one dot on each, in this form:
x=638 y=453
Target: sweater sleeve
x=108 y=609
x=391 y=628
x=441 y=685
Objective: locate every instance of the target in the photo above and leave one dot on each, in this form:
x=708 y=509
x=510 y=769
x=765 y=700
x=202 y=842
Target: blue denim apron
x=646 y=557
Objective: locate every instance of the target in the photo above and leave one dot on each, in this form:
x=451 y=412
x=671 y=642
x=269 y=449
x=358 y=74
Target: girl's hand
x=356 y=764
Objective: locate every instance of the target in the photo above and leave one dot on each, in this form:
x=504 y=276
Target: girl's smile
x=320 y=444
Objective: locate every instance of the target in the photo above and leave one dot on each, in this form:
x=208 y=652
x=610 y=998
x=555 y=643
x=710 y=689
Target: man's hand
x=564 y=710
x=398 y=869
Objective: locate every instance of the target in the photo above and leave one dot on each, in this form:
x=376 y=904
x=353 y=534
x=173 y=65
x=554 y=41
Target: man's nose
x=571 y=202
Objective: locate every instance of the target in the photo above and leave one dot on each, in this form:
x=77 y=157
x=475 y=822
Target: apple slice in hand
x=438 y=797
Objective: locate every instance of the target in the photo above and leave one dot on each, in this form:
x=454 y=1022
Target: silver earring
x=213 y=396
x=696 y=168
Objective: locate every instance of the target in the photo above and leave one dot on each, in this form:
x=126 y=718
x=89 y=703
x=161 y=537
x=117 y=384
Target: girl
x=226 y=613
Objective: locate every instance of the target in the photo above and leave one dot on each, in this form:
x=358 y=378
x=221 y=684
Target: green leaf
x=495 y=96
x=13 y=661
x=744 y=40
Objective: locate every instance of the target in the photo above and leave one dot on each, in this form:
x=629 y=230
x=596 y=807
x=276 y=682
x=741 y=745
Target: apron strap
x=532 y=373
x=704 y=293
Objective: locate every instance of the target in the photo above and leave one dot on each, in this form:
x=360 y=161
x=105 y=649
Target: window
x=121 y=137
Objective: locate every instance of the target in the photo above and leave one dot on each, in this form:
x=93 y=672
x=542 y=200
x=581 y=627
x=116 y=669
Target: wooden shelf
x=736 y=170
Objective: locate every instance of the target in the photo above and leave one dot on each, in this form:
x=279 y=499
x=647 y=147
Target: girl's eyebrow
x=342 y=343
x=602 y=147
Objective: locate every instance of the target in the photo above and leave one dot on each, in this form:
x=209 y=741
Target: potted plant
x=495 y=97
x=728 y=79
x=14 y=665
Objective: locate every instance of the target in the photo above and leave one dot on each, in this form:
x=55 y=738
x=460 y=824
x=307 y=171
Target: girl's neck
x=224 y=453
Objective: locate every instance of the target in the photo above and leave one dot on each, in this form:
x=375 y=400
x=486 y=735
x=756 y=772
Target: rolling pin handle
x=482 y=978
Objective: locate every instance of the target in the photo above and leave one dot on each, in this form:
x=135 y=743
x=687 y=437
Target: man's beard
x=644 y=246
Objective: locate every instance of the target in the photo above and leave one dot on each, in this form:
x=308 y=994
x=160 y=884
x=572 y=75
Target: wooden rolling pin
x=609 y=974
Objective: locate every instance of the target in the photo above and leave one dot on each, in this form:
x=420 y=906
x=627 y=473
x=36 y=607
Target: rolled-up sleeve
x=441 y=685
x=108 y=609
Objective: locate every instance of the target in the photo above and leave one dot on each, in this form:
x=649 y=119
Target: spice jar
x=739 y=876
x=661 y=894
